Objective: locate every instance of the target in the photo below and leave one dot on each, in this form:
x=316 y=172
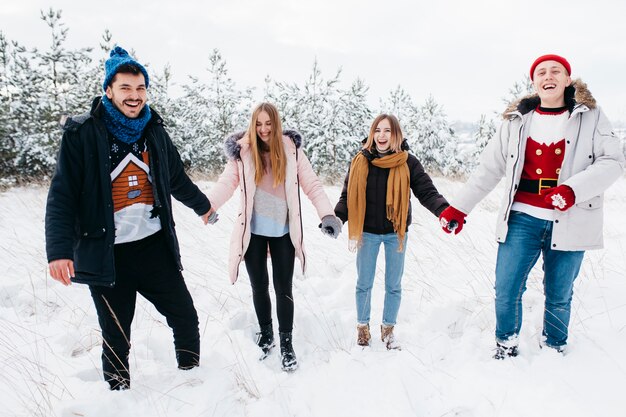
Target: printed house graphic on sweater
x=133 y=200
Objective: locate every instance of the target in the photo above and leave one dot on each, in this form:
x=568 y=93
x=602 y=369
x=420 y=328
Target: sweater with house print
x=135 y=215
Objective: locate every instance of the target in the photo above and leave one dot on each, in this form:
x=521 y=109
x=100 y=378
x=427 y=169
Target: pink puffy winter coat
x=240 y=172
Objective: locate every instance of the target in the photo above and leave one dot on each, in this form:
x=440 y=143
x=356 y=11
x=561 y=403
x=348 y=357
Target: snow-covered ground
x=50 y=340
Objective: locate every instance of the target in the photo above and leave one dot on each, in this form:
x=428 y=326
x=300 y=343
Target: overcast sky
x=467 y=54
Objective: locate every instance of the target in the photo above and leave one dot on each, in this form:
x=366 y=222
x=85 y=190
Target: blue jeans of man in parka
x=527 y=238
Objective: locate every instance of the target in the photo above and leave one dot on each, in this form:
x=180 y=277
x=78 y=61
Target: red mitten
x=451 y=220
x=561 y=197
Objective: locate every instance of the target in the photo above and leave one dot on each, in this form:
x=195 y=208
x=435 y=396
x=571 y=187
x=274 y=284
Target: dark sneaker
x=503 y=352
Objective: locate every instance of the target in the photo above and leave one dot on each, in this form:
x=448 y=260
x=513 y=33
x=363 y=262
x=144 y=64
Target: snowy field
x=50 y=340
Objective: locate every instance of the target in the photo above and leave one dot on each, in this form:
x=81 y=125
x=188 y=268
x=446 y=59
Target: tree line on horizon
x=38 y=87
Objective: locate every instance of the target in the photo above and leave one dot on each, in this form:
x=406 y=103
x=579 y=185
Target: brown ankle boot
x=363 y=334
x=387 y=336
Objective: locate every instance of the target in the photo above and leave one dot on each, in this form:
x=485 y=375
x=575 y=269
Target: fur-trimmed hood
x=232 y=147
x=577 y=93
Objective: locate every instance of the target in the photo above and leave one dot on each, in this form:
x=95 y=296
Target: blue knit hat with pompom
x=120 y=57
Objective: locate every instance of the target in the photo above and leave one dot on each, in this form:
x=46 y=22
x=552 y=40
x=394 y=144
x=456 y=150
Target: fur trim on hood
x=232 y=147
x=577 y=93
x=72 y=123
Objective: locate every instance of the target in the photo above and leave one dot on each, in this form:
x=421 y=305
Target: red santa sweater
x=544 y=153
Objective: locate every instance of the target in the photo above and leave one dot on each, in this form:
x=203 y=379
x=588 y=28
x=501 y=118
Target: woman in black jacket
x=375 y=202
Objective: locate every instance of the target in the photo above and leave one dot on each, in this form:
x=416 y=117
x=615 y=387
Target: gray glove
x=331 y=226
x=213 y=218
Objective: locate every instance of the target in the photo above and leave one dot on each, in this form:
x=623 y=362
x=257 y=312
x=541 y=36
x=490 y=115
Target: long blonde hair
x=278 y=161
x=395 y=142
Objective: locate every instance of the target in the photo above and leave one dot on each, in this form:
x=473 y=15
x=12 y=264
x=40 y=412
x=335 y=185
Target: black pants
x=283 y=254
x=146 y=267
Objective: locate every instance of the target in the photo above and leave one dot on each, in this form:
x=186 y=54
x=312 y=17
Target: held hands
x=452 y=220
x=62 y=270
x=331 y=226
x=210 y=217
x=561 y=197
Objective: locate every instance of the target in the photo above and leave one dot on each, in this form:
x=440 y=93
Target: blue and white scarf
x=124 y=128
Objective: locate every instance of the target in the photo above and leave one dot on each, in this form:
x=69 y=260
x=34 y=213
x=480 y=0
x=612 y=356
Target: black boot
x=187 y=359
x=265 y=340
x=503 y=352
x=288 y=356
x=115 y=370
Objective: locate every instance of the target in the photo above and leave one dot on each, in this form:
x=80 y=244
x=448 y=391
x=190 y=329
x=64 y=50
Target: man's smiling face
x=128 y=94
x=550 y=79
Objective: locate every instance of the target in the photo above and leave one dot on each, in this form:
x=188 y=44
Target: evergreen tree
x=400 y=104
x=315 y=110
x=90 y=85
x=520 y=89
x=46 y=85
x=34 y=149
x=7 y=144
x=485 y=131
x=483 y=134
x=171 y=110
x=355 y=119
x=435 y=144
x=207 y=113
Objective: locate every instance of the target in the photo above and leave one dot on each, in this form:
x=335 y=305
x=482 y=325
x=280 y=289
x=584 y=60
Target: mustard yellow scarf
x=396 y=201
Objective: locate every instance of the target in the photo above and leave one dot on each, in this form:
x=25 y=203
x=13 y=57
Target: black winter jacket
x=376 y=221
x=79 y=210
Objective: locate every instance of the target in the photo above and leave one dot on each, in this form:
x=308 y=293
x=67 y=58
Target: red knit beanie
x=550 y=57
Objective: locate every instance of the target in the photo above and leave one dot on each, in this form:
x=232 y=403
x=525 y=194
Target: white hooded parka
x=593 y=160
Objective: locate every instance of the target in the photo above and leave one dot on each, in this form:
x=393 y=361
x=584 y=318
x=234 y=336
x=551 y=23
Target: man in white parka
x=558 y=154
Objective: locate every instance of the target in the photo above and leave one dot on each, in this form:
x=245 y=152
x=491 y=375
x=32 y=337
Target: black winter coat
x=79 y=210
x=376 y=221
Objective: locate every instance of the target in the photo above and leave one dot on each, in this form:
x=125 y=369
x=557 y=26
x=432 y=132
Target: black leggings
x=282 y=254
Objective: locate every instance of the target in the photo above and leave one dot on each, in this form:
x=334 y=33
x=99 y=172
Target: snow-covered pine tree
x=435 y=144
x=316 y=111
x=282 y=96
x=169 y=109
x=484 y=132
x=192 y=131
x=486 y=128
x=69 y=75
x=47 y=84
x=207 y=113
x=94 y=74
x=354 y=121
x=520 y=89
x=7 y=144
x=35 y=146
x=400 y=104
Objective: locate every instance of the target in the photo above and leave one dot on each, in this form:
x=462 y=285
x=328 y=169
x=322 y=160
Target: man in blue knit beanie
x=117 y=59
x=109 y=217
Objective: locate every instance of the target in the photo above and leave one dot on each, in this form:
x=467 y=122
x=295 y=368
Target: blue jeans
x=366 y=270
x=527 y=238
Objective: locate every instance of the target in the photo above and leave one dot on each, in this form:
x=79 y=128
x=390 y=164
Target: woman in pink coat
x=269 y=168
